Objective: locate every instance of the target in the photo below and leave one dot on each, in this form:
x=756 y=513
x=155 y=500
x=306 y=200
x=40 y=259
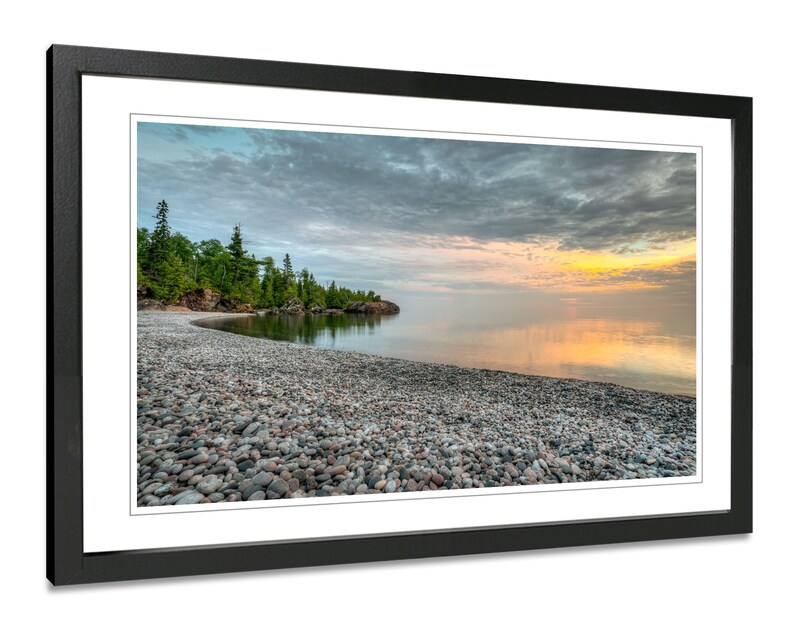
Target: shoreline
x=289 y=316
x=225 y=417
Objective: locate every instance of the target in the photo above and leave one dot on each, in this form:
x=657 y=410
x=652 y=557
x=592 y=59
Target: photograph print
x=328 y=312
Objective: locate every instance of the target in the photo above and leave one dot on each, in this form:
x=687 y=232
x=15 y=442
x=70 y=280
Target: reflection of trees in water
x=304 y=329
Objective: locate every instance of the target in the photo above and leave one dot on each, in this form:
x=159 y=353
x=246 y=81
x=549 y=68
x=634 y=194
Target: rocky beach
x=224 y=417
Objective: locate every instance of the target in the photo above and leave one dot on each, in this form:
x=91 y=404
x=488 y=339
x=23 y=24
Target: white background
x=686 y=586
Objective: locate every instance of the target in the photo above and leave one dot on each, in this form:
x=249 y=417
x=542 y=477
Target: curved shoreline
x=225 y=417
x=197 y=322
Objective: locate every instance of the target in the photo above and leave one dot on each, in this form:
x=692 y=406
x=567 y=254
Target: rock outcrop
x=143 y=291
x=235 y=306
x=147 y=304
x=381 y=307
x=201 y=300
x=293 y=306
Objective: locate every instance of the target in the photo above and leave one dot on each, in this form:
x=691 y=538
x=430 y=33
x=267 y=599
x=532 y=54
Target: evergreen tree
x=332 y=297
x=160 y=242
x=142 y=247
x=237 y=254
x=304 y=286
x=279 y=288
x=187 y=252
x=171 y=265
x=214 y=262
x=286 y=287
x=141 y=277
x=316 y=293
x=287 y=269
x=268 y=299
x=173 y=280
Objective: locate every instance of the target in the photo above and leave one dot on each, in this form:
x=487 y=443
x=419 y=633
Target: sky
x=403 y=214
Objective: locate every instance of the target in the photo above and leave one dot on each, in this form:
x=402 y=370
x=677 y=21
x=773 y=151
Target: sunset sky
x=409 y=214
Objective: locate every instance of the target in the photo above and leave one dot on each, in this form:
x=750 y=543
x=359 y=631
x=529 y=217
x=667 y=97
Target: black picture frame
x=68 y=563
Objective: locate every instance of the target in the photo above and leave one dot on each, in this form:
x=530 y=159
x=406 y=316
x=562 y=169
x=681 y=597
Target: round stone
x=278 y=488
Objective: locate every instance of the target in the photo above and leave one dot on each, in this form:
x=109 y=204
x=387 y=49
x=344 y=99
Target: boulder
x=293 y=306
x=150 y=305
x=381 y=307
x=234 y=306
x=201 y=300
x=176 y=308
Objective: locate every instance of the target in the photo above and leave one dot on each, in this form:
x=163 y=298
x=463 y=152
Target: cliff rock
x=150 y=305
x=201 y=300
x=381 y=307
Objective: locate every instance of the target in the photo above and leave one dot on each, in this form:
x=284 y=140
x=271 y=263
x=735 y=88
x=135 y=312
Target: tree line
x=170 y=265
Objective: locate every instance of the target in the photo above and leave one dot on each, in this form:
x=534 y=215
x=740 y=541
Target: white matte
x=109 y=356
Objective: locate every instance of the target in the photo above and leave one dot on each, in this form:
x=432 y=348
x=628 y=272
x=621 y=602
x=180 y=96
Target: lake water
x=642 y=347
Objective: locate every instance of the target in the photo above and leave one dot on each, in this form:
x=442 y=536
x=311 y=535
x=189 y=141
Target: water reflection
x=644 y=348
x=316 y=330
x=642 y=354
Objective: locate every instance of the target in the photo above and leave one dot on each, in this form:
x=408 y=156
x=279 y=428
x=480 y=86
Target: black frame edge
x=164 y=563
x=66 y=561
x=742 y=342
x=64 y=320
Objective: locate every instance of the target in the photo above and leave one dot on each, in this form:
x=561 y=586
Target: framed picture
x=306 y=315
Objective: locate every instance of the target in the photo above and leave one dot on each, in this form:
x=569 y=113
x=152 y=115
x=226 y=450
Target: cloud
x=319 y=191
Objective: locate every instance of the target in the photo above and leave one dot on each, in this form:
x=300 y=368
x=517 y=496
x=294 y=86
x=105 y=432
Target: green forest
x=170 y=265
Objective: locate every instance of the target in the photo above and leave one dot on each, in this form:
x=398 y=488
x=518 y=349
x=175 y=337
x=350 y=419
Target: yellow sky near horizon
x=546 y=267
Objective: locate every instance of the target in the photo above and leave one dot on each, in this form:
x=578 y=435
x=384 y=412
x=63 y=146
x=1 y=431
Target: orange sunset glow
x=546 y=267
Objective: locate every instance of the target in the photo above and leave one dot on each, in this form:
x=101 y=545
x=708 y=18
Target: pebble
x=188 y=498
x=278 y=487
x=209 y=484
x=250 y=490
x=216 y=411
x=263 y=479
x=167 y=488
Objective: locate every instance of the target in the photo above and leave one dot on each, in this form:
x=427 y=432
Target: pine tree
x=142 y=248
x=316 y=293
x=268 y=299
x=174 y=280
x=279 y=288
x=304 y=286
x=237 y=253
x=287 y=269
x=160 y=241
x=332 y=297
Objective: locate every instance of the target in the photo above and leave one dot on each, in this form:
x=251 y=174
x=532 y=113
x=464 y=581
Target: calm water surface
x=649 y=348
